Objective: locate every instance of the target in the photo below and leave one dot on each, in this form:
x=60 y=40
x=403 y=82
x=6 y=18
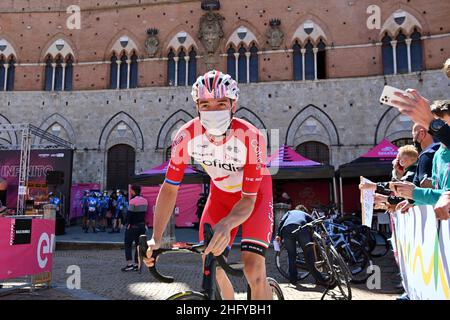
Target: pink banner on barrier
x=186 y=205
x=77 y=195
x=26 y=246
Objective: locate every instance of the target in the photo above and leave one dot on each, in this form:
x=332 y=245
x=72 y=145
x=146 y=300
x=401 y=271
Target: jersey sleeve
x=179 y=158
x=255 y=166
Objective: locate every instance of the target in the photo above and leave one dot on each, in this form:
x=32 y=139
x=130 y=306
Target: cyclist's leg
x=290 y=243
x=214 y=211
x=256 y=236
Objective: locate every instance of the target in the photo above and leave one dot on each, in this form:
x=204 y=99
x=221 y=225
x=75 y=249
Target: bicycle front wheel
x=188 y=295
x=277 y=293
x=341 y=276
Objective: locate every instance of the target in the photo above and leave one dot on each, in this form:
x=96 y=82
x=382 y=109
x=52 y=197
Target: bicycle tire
x=340 y=273
x=281 y=255
x=379 y=250
x=358 y=268
x=188 y=295
x=276 y=289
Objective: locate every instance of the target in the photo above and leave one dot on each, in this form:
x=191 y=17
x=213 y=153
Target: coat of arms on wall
x=211 y=31
x=274 y=34
x=152 y=42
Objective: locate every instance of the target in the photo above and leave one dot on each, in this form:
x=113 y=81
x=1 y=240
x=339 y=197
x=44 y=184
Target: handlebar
x=199 y=248
x=311 y=224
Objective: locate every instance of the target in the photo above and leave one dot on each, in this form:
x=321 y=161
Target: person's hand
x=367 y=186
x=220 y=240
x=403 y=206
x=390 y=208
x=416 y=107
x=152 y=245
x=404 y=189
x=427 y=183
x=379 y=198
x=442 y=207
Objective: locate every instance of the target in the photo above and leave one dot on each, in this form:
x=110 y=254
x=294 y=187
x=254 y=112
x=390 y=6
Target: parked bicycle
x=210 y=288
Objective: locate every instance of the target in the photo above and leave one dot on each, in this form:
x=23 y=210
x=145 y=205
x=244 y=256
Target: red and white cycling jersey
x=235 y=164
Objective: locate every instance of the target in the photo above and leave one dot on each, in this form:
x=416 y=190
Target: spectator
x=84 y=209
x=135 y=226
x=93 y=208
x=119 y=205
x=286 y=199
x=440 y=170
x=54 y=199
x=291 y=221
x=104 y=206
x=404 y=168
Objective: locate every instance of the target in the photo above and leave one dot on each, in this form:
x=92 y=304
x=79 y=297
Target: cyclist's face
x=214 y=105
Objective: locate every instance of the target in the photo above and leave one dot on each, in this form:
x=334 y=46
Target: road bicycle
x=209 y=285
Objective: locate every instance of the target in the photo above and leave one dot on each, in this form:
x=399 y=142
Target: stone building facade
x=103 y=74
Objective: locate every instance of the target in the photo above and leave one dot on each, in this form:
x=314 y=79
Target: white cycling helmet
x=215 y=85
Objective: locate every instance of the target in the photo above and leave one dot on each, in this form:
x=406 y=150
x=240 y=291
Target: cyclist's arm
x=164 y=208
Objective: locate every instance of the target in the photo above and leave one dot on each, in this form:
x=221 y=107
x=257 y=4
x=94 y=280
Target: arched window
x=2 y=70
x=68 y=79
x=402 y=142
x=134 y=71
x=123 y=71
x=315 y=151
x=11 y=74
x=309 y=61
x=171 y=68
x=253 y=64
x=402 y=53
x=182 y=68
x=113 y=72
x=48 y=74
x=416 y=51
x=242 y=65
x=192 y=66
x=298 y=63
x=387 y=53
x=321 y=60
x=231 y=62
x=59 y=74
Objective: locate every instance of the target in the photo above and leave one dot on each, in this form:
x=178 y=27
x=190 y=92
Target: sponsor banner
x=422 y=246
x=26 y=246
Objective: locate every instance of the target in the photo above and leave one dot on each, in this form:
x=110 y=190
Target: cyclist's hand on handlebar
x=148 y=260
x=220 y=240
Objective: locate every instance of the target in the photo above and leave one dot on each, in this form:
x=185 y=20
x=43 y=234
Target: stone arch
x=236 y=40
x=167 y=128
x=181 y=39
x=132 y=132
x=7 y=49
x=321 y=30
x=9 y=138
x=392 y=125
x=301 y=35
x=59 y=45
x=401 y=19
x=328 y=132
x=65 y=124
x=115 y=46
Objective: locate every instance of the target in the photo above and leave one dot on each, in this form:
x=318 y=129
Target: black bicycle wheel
x=339 y=288
x=277 y=293
x=188 y=295
x=380 y=244
x=357 y=260
x=282 y=263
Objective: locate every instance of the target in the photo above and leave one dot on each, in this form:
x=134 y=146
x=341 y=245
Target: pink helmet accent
x=215 y=85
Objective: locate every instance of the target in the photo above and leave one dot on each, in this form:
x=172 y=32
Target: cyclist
x=84 y=209
x=233 y=153
x=92 y=212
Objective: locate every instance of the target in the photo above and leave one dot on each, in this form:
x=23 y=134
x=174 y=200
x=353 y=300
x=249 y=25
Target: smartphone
x=388 y=95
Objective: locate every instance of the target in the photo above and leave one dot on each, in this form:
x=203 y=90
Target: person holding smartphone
x=440 y=170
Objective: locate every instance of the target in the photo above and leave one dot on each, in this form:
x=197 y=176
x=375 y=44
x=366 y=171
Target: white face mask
x=216 y=123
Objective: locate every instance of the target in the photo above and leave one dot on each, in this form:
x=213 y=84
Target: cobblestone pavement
x=101 y=278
